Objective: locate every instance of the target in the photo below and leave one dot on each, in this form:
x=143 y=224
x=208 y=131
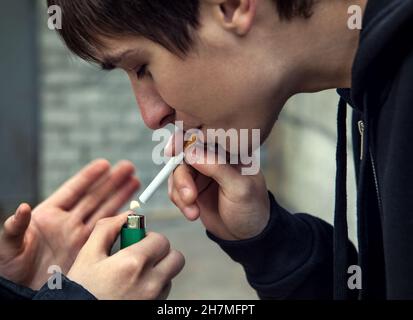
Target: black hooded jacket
x=301 y=257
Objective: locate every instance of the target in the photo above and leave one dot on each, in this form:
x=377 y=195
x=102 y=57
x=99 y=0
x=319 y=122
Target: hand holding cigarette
x=230 y=205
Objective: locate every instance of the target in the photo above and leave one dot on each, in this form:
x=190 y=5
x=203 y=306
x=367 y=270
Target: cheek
x=192 y=93
x=217 y=94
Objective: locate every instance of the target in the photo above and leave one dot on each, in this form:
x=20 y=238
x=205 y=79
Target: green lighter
x=133 y=231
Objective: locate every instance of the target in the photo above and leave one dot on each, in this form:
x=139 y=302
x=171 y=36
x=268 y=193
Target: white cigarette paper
x=162 y=176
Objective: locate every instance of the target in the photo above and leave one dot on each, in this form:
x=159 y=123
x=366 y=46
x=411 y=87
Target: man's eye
x=142 y=71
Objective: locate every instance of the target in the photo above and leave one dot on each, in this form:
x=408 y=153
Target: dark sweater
x=69 y=291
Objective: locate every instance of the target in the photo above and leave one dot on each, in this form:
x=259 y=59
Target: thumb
x=104 y=235
x=213 y=165
x=15 y=227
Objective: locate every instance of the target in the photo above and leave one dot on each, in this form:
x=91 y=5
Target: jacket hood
x=385 y=22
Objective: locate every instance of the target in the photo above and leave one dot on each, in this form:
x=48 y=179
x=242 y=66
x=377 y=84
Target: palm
x=57 y=241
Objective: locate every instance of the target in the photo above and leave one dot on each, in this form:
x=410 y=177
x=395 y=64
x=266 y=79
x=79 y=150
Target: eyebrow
x=111 y=62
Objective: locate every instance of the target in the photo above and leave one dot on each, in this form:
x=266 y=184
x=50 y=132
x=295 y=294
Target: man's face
x=223 y=82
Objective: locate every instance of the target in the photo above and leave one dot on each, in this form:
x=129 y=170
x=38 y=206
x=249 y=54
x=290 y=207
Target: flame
x=134 y=205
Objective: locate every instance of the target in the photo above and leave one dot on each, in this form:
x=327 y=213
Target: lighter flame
x=134 y=205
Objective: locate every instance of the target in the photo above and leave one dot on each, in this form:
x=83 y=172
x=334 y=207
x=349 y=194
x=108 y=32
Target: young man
x=233 y=64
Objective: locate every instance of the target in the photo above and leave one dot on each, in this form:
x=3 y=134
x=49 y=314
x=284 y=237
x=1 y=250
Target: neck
x=327 y=47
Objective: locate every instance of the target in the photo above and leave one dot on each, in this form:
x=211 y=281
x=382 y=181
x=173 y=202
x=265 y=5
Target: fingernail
x=190 y=157
x=168 y=149
x=193 y=154
x=189 y=211
x=16 y=215
x=185 y=193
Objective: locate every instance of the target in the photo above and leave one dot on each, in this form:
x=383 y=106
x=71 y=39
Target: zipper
x=361 y=127
x=361 y=130
x=376 y=182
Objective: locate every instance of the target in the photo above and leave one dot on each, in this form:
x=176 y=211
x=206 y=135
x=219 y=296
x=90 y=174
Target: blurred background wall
x=19 y=103
x=303 y=148
x=83 y=113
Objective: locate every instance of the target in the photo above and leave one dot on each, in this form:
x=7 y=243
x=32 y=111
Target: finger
x=202 y=183
x=190 y=211
x=68 y=194
x=97 y=195
x=184 y=182
x=153 y=248
x=15 y=227
x=165 y=292
x=169 y=267
x=213 y=166
x=104 y=235
x=114 y=203
x=210 y=216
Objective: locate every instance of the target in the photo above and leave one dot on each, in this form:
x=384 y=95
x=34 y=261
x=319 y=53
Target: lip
x=186 y=128
x=201 y=137
x=180 y=135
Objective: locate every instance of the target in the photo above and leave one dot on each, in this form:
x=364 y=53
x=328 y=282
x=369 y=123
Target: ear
x=237 y=15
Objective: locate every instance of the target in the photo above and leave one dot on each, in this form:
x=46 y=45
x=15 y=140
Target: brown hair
x=168 y=23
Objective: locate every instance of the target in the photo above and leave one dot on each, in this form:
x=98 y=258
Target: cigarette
x=164 y=174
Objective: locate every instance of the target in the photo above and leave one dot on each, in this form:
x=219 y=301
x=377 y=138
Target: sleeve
x=69 y=291
x=10 y=291
x=291 y=259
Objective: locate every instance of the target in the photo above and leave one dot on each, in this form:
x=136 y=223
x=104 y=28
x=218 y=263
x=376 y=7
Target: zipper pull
x=361 y=130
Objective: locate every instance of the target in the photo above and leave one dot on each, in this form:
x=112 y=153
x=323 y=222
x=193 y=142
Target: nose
x=156 y=113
